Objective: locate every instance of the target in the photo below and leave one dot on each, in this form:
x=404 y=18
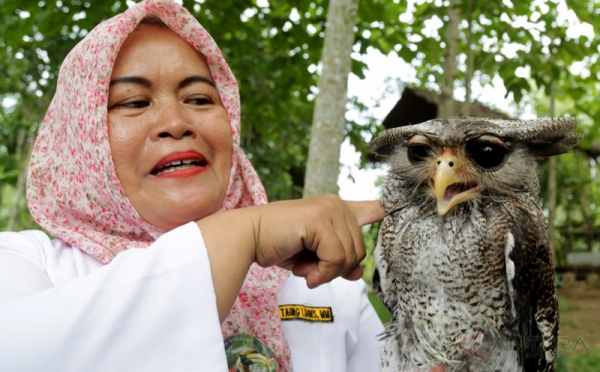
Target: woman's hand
x=318 y=238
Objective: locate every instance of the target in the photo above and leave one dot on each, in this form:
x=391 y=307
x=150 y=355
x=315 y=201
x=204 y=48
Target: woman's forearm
x=230 y=243
x=278 y=233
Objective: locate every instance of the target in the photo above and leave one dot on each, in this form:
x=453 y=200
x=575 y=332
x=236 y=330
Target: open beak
x=448 y=188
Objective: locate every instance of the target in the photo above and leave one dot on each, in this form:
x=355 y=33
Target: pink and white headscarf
x=73 y=190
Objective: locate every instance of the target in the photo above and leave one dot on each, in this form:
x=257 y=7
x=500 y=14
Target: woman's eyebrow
x=131 y=80
x=196 y=79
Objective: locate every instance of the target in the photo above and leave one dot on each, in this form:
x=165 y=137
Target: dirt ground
x=579 y=320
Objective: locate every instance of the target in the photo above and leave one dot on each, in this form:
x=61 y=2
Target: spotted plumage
x=463 y=262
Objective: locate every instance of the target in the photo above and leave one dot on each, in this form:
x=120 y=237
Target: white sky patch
x=523 y=72
x=80 y=15
x=510 y=50
x=294 y=15
x=363 y=188
x=248 y=13
x=432 y=26
x=9 y=102
x=407 y=17
x=541 y=4
x=262 y=3
x=580 y=68
x=381 y=86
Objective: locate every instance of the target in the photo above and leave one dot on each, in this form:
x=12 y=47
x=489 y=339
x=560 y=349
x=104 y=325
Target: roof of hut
x=418 y=105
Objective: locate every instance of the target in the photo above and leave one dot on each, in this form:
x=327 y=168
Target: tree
x=449 y=65
x=329 y=119
x=466 y=108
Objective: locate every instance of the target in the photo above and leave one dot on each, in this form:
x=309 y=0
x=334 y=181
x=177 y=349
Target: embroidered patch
x=307 y=313
x=248 y=353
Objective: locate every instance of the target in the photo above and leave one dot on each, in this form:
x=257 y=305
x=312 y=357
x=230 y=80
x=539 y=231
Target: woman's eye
x=134 y=104
x=488 y=156
x=418 y=153
x=200 y=101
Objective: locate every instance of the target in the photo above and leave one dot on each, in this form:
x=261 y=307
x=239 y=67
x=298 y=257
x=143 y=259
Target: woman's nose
x=172 y=122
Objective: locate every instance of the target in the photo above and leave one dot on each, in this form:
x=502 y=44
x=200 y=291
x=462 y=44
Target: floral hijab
x=73 y=190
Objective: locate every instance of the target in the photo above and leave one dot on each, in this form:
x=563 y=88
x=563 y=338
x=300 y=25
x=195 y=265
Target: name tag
x=306 y=313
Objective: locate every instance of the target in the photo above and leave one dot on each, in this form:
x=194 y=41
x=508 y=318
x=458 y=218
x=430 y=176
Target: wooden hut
x=418 y=105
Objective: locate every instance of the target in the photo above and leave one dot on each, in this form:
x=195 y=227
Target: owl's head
x=463 y=158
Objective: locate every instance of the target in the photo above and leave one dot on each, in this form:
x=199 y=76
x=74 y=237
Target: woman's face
x=169 y=133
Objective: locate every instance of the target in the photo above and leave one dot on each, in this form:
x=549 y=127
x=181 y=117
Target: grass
x=588 y=361
x=566 y=305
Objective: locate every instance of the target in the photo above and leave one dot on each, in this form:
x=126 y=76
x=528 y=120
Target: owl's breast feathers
x=483 y=270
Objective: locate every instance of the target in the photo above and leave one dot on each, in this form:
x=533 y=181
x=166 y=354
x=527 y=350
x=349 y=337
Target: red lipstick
x=181 y=164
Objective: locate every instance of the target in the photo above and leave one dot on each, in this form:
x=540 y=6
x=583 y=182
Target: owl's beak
x=449 y=189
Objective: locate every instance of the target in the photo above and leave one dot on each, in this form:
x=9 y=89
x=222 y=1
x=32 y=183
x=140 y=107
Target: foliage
x=380 y=309
x=274 y=49
x=370 y=237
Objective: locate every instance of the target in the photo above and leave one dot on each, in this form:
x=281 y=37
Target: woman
x=140 y=149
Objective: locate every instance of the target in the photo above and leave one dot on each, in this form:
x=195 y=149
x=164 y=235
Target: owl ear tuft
x=554 y=145
x=555 y=137
x=388 y=141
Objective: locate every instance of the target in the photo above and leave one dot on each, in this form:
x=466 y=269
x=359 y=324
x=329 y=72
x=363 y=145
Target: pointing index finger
x=366 y=211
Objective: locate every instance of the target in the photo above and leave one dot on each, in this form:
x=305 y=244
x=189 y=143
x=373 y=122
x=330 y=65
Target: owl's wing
x=382 y=280
x=533 y=293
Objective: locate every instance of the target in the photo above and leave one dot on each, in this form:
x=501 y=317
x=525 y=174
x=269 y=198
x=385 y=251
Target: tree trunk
x=329 y=118
x=449 y=66
x=588 y=225
x=552 y=188
x=466 y=108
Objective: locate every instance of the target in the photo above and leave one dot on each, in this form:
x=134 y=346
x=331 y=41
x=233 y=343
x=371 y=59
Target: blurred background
x=411 y=61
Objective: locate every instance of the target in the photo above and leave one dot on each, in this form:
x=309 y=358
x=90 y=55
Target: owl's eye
x=418 y=152
x=489 y=156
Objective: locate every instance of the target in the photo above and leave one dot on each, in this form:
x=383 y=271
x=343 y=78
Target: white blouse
x=154 y=309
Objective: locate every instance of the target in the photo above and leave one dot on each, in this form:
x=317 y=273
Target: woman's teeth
x=178 y=165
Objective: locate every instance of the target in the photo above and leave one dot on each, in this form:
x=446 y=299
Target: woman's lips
x=181 y=164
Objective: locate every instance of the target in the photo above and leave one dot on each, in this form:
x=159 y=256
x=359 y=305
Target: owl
x=462 y=258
